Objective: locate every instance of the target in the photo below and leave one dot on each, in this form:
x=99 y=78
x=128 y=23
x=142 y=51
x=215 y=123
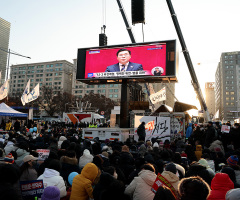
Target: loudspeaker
x=138 y=11
x=102 y=39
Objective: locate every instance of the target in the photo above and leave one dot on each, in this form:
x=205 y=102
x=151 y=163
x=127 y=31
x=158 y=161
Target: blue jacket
x=189 y=130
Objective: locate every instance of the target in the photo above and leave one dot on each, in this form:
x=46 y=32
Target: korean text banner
x=151 y=57
x=155 y=127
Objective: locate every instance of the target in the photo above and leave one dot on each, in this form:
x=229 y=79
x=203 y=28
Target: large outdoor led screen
x=153 y=59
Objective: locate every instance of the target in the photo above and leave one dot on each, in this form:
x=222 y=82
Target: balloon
x=71 y=176
x=31 y=130
x=34 y=128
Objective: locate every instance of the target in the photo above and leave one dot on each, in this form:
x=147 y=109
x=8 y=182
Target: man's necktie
x=123 y=68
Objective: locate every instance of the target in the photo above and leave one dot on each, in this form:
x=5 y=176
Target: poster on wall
x=155 y=127
x=177 y=127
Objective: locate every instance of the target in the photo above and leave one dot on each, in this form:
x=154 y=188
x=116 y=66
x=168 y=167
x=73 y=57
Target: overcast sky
x=50 y=30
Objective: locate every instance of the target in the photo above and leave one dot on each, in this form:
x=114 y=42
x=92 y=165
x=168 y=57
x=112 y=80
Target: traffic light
x=138 y=11
x=102 y=39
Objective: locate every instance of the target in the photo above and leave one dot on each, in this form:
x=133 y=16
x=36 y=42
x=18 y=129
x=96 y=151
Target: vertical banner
x=155 y=127
x=30 y=116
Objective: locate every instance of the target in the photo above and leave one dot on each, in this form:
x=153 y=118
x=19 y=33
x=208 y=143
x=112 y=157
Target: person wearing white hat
x=28 y=173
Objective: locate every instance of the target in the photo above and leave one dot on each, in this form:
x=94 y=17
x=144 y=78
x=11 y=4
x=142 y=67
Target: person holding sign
x=124 y=64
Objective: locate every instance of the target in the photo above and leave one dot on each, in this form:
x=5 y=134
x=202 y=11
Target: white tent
x=5 y=110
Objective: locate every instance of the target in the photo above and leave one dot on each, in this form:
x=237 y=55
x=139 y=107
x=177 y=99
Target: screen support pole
x=186 y=54
x=124 y=110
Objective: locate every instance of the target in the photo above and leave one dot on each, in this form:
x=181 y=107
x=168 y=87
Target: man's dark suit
x=157 y=73
x=131 y=67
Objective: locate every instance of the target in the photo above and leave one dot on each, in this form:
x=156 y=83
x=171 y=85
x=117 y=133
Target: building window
x=111 y=90
x=111 y=85
x=226 y=62
x=115 y=90
x=110 y=95
x=115 y=96
x=227 y=104
x=226 y=57
x=227 y=98
x=232 y=98
x=227 y=93
x=232 y=104
x=232 y=93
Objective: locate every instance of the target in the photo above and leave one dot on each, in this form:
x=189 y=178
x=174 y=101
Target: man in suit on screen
x=123 y=57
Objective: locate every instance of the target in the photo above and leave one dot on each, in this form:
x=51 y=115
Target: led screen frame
x=92 y=63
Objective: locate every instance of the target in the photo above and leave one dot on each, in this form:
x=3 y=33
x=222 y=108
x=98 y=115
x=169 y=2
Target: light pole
x=9 y=52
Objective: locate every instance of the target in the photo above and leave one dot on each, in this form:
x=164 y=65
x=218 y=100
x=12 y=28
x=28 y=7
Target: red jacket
x=220 y=185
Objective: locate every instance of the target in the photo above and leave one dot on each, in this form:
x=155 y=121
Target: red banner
x=160 y=181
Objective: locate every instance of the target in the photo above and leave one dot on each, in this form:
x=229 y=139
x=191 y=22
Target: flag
x=4 y=90
x=24 y=97
x=33 y=95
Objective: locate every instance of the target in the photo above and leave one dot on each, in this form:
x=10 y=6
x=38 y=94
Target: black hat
x=171 y=167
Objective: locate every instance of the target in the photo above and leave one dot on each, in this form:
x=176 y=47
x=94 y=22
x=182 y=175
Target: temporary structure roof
x=5 y=110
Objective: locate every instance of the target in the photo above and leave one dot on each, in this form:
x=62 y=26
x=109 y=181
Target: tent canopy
x=182 y=107
x=5 y=110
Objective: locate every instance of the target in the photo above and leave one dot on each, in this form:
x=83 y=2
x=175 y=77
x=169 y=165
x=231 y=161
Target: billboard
x=152 y=60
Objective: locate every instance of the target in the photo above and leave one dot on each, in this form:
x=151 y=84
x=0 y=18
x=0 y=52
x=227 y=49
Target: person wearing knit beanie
x=232 y=160
x=51 y=193
x=9 y=159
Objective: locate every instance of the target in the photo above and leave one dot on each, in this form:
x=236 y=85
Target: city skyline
x=54 y=30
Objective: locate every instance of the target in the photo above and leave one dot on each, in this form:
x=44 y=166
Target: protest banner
x=43 y=154
x=31 y=189
x=225 y=129
x=160 y=181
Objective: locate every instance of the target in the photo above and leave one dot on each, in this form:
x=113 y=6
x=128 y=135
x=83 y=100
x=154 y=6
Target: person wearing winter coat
x=85 y=158
x=141 y=132
x=231 y=173
x=216 y=146
x=170 y=174
x=51 y=177
x=82 y=183
x=60 y=141
x=28 y=173
x=198 y=152
x=220 y=185
x=69 y=164
x=10 y=146
x=193 y=188
x=21 y=153
x=204 y=162
x=189 y=130
x=197 y=169
x=210 y=135
x=233 y=194
x=140 y=187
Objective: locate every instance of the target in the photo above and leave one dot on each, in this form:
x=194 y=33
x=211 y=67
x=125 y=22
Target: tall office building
x=4 y=42
x=56 y=74
x=210 y=98
x=227 y=85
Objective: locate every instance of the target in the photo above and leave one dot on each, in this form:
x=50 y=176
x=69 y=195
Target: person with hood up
x=170 y=173
x=193 y=188
x=10 y=146
x=60 y=141
x=220 y=185
x=82 y=183
x=85 y=158
x=140 y=187
x=51 y=177
x=203 y=162
x=233 y=194
x=198 y=152
x=141 y=132
x=189 y=130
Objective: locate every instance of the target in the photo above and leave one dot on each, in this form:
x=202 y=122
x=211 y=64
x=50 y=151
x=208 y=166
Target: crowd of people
x=203 y=165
